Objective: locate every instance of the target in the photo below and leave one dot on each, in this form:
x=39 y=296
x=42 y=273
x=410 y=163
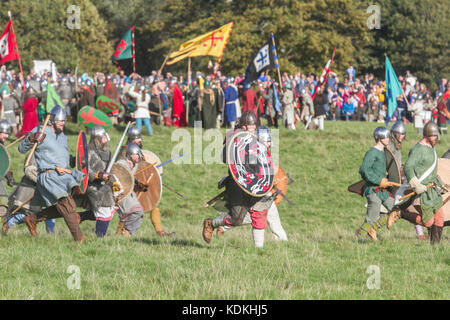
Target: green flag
x=393 y=89
x=123 y=49
x=52 y=99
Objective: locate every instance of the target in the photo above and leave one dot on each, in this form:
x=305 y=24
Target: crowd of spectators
x=177 y=101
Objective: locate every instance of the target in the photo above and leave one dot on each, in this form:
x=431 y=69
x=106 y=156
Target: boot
x=67 y=208
x=208 y=230
x=423 y=237
x=436 y=234
x=447 y=223
x=126 y=233
x=120 y=228
x=31 y=224
x=394 y=216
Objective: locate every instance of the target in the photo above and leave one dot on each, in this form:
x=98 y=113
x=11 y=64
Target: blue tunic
x=231 y=95
x=51 y=153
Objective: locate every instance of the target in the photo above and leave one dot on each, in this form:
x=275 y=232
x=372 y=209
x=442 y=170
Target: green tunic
x=420 y=159
x=372 y=170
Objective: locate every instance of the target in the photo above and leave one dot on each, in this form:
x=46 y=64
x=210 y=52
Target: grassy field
x=321 y=260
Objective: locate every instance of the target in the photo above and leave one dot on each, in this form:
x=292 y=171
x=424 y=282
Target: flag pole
x=134 y=53
x=188 y=88
x=275 y=58
x=18 y=55
x=164 y=63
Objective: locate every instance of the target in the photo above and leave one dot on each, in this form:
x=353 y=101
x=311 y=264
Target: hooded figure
x=30 y=116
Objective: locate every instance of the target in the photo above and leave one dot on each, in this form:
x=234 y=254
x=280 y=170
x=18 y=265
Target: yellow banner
x=209 y=44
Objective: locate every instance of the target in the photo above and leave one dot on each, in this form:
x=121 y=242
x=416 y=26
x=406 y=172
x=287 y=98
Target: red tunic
x=442 y=119
x=249 y=101
x=30 y=117
x=178 y=112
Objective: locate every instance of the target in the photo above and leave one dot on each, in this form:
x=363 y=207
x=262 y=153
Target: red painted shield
x=90 y=117
x=250 y=163
x=107 y=105
x=82 y=160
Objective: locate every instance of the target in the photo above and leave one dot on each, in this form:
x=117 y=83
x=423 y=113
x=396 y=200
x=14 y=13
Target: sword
x=278 y=191
x=116 y=153
x=308 y=122
x=170 y=189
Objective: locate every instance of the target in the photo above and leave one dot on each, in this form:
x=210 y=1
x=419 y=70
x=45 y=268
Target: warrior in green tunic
x=373 y=171
x=421 y=172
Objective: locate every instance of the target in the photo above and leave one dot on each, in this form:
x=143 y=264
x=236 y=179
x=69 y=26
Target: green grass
x=321 y=260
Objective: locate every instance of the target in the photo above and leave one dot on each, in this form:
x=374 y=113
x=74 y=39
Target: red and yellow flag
x=209 y=44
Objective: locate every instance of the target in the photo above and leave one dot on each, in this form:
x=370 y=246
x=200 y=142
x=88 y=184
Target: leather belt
x=47 y=171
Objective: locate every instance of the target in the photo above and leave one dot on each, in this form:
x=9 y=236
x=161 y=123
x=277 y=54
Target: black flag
x=262 y=60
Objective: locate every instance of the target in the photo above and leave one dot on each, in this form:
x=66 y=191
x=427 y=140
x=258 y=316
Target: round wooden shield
x=149 y=175
x=153 y=159
x=281 y=182
x=5 y=161
x=393 y=170
x=90 y=117
x=444 y=173
x=125 y=179
x=250 y=163
x=82 y=157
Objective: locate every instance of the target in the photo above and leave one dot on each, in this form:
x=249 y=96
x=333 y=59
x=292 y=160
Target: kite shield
x=82 y=160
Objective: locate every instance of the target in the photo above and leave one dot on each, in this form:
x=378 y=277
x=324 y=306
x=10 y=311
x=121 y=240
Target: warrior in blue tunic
x=55 y=181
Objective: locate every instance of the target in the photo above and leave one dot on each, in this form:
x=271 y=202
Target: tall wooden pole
x=164 y=63
x=187 y=92
x=36 y=143
x=275 y=58
x=133 y=49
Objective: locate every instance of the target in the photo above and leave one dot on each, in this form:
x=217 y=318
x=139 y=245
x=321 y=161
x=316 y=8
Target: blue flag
x=393 y=90
x=263 y=59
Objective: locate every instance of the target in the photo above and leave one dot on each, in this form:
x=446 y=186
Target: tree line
x=414 y=34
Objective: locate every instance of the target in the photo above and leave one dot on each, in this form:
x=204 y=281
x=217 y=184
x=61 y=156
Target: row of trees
x=414 y=34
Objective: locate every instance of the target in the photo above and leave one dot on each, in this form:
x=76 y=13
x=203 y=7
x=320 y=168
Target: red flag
x=8 y=45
